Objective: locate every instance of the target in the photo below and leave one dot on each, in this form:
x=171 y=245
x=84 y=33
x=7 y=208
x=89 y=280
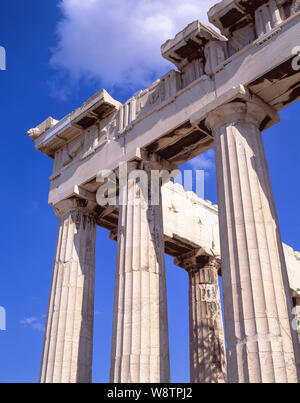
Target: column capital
x=149 y=161
x=248 y=109
x=196 y=260
x=75 y=204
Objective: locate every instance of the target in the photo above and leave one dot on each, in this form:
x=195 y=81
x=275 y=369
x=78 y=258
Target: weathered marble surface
x=169 y=117
x=227 y=90
x=207 y=343
x=68 y=344
x=261 y=344
x=140 y=339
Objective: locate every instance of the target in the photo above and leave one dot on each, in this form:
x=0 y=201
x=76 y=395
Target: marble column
x=68 y=344
x=207 y=344
x=261 y=345
x=140 y=342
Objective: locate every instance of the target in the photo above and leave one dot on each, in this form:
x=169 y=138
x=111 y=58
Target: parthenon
x=228 y=87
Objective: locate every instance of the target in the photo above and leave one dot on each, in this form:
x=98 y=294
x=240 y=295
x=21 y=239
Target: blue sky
x=40 y=81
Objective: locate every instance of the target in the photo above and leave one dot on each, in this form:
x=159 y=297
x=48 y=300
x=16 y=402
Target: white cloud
x=116 y=43
x=28 y=321
x=38 y=326
x=204 y=161
x=33 y=323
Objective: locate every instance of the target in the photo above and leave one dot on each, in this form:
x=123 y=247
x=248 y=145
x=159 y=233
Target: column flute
x=207 y=344
x=140 y=341
x=68 y=345
x=262 y=346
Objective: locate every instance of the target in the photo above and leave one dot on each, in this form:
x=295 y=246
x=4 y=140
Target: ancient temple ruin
x=228 y=87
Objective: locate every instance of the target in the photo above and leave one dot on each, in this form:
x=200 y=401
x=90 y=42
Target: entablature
x=262 y=15
x=52 y=135
x=168 y=118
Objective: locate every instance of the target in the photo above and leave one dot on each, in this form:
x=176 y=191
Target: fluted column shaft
x=140 y=343
x=68 y=344
x=207 y=344
x=261 y=344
